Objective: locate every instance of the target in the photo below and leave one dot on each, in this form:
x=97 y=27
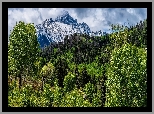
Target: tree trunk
x=42 y=83
x=20 y=78
x=20 y=81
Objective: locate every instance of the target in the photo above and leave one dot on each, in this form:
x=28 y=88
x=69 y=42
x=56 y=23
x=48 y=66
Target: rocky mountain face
x=53 y=31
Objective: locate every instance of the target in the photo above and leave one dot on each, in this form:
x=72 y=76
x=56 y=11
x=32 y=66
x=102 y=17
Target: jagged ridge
x=52 y=31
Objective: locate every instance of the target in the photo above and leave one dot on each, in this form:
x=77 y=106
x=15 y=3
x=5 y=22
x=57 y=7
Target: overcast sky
x=96 y=18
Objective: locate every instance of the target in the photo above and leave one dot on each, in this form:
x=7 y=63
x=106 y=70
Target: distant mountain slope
x=52 y=31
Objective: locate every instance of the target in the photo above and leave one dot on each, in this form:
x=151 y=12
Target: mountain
x=66 y=19
x=53 y=31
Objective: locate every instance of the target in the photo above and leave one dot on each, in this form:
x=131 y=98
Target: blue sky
x=96 y=18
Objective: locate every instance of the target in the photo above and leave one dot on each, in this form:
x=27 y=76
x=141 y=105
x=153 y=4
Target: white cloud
x=130 y=10
x=96 y=19
x=27 y=15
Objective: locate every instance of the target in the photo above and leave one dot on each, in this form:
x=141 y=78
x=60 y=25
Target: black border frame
x=6 y=5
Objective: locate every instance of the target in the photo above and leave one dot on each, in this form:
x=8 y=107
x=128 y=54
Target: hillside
x=79 y=70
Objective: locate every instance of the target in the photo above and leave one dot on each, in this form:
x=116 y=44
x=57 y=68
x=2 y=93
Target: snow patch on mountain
x=55 y=30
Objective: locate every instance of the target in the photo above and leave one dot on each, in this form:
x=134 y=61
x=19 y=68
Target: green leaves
x=93 y=69
x=69 y=82
x=23 y=47
x=89 y=90
x=80 y=73
x=126 y=77
x=75 y=98
x=57 y=96
x=47 y=70
x=96 y=101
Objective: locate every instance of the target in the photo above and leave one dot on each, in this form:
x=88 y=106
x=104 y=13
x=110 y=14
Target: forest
x=83 y=71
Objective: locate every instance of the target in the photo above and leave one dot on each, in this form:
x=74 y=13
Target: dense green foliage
x=69 y=82
x=22 y=50
x=83 y=71
x=126 y=77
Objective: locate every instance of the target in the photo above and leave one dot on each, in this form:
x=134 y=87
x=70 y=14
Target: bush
x=69 y=82
x=127 y=78
x=47 y=73
x=96 y=101
x=95 y=72
x=61 y=70
x=58 y=94
x=75 y=99
x=15 y=98
x=89 y=90
x=48 y=94
x=20 y=98
x=82 y=76
x=47 y=70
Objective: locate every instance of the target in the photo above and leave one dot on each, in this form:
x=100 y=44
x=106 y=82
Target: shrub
x=69 y=82
x=89 y=90
x=47 y=73
x=82 y=75
x=75 y=99
x=47 y=70
x=96 y=101
x=20 y=98
x=48 y=94
x=15 y=98
x=58 y=93
x=61 y=70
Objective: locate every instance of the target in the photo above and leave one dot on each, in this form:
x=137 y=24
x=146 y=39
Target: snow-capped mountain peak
x=55 y=30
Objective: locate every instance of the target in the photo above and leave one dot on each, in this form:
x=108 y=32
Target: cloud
x=27 y=15
x=96 y=18
x=102 y=18
x=82 y=12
